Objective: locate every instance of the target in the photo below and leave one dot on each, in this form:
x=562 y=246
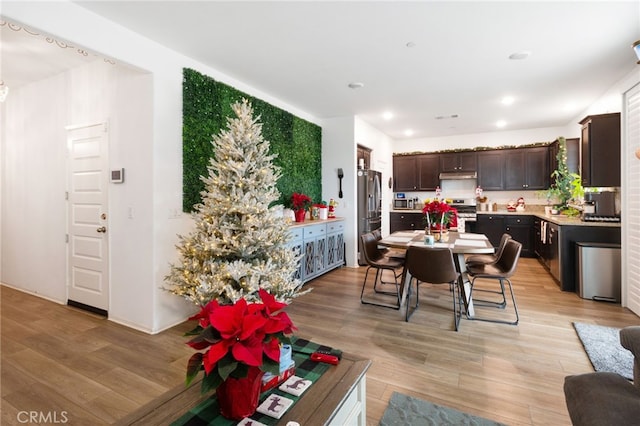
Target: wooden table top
x=318 y=405
x=459 y=242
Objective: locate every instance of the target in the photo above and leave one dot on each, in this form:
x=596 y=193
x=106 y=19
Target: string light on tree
x=238 y=245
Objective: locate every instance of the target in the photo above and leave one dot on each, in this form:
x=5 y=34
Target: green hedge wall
x=206 y=106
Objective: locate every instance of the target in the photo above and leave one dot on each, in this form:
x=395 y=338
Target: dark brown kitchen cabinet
x=490 y=170
x=458 y=162
x=520 y=227
x=492 y=226
x=526 y=168
x=600 y=165
x=405 y=173
x=405 y=221
x=429 y=172
x=416 y=172
x=364 y=157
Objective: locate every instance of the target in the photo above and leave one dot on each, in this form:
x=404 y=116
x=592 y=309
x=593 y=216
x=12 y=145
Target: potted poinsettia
x=438 y=217
x=242 y=342
x=300 y=203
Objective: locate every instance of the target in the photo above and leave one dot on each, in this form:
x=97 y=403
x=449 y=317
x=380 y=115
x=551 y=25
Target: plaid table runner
x=208 y=413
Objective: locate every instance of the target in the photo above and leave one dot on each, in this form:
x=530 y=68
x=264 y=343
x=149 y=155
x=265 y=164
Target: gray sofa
x=604 y=399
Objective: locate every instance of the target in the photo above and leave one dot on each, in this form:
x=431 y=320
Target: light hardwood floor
x=66 y=362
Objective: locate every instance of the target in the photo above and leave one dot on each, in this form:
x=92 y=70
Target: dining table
x=460 y=243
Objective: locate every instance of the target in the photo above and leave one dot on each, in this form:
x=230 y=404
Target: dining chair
x=391 y=252
x=483 y=259
x=502 y=270
x=433 y=266
x=375 y=259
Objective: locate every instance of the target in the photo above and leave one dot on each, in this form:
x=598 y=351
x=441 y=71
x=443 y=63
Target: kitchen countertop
x=557 y=219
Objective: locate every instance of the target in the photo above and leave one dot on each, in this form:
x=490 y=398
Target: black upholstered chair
x=375 y=259
x=601 y=398
x=433 y=266
x=500 y=271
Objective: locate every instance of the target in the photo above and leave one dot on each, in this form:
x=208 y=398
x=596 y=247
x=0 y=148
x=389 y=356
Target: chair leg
x=384 y=305
x=378 y=279
x=409 y=313
x=497 y=304
x=456 y=302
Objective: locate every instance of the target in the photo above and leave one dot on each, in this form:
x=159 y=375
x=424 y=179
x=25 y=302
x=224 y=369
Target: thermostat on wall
x=117 y=176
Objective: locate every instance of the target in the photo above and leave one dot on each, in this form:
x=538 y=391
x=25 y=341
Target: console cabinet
x=321 y=246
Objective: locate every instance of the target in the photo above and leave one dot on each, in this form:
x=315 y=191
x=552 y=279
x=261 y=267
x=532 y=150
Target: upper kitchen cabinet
x=600 y=165
x=526 y=168
x=405 y=173
x=490 y=170
x=429 y=172
x=416 y=172
x=364 y=158
x=458 y=162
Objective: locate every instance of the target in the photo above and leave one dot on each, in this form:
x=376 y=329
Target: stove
x=593 y=217
x=465 y=210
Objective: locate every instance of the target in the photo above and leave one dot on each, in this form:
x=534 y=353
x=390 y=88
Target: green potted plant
x=567 y=186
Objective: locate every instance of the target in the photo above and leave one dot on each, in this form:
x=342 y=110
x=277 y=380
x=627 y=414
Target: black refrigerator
x=369 y=204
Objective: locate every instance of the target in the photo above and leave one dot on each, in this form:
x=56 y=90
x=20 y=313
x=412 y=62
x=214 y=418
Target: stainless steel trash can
x=599 y=271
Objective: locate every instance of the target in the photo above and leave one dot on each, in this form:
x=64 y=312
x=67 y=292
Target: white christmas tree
x=239 y=244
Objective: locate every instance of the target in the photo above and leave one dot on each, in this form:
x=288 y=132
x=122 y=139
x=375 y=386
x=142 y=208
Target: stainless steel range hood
x=458 y=175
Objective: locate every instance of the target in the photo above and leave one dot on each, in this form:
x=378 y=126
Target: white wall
x=157 y=203
x=33 y=186
x=381 y=147
x=339 y=151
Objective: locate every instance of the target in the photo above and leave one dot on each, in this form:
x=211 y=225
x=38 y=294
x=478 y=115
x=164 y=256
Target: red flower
x=244 y=331
x=300 y=201
x=439 y=212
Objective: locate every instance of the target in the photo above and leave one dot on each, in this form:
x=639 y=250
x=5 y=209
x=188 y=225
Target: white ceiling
x=306 y=54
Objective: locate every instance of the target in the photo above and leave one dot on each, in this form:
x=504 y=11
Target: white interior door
x=88 y=248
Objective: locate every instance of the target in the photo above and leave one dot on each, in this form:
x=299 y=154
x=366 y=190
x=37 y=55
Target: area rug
x=406 y=410
x=603 y=347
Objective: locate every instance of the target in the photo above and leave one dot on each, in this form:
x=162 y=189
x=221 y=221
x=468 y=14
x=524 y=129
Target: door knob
x=102 y=229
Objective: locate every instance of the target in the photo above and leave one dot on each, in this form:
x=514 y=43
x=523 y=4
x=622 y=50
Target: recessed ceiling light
x=388 y=115
x=356 y=85
x=507 y=100
x=523 y=54
x=408 y=132
x=500 y=124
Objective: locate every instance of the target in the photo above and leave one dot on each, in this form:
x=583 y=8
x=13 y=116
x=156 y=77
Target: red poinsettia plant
x=237 y=337
x=439 y=214
x=300 y=201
